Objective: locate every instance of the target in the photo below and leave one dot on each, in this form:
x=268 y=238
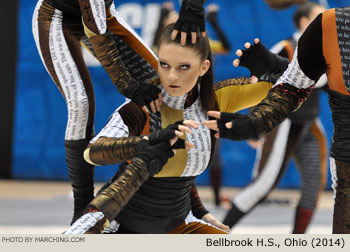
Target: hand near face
x=191 y=18
x=256 y=57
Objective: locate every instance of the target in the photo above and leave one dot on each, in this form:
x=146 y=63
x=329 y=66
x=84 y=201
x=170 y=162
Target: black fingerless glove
x=142 y=93
x=259 y=60
x=155 y=156
x=191 y=16
x=242 y=127
x=161 y=135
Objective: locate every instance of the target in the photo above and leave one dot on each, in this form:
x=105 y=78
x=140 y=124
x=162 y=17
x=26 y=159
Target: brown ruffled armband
x=107 y=150
x=281 y=101
x=112 y=200
x=106 y=51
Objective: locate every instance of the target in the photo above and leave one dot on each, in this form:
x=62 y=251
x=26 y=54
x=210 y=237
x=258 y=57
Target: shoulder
x=232 y=82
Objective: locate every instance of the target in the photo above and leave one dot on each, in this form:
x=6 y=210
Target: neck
x=181 y=102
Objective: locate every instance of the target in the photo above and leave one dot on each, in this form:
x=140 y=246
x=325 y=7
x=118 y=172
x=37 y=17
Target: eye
x=163 y=64
x=185 y=67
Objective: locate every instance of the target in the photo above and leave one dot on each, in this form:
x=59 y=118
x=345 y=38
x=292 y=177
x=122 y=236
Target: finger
x=191 y=123
x=189 y=145
x=173 y=140
x=183 y=38
x=145 y=109
x=217 y=135
x=235 y=63
x=254 y=79
x=204 y=34
x=194 y=37
x=239 y=52
x=160 y=98
x=247 y=45
x=174 y=34
x=183 y=128
x=179 y=133
x=256 y=41
x=212 y=124
x=215 y=114
x=224 y=227
x=153 y=107
x=228 y=125
x=157 y=103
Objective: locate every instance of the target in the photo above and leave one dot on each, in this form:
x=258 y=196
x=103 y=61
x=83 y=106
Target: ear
x=204 y=67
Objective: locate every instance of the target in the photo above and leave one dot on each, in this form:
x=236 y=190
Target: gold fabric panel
x=176 y=165
x=236 y=94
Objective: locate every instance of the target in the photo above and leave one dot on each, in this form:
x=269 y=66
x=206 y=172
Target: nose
x=172 y=76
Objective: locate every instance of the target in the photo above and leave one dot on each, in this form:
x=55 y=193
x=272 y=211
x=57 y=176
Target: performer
x=59 y=27
x=301 y=136
x=218 y=47
x=162 y=203
x=323 y=48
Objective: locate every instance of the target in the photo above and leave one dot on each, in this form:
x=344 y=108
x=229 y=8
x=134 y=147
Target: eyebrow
x=181 y=63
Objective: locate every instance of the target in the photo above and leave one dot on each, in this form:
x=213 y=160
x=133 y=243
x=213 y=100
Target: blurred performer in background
x=218 y=47
x=59 y=28
x=301 y=136
x=323 y=48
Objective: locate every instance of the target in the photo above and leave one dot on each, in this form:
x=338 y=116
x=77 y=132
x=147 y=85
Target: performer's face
x=179 y=68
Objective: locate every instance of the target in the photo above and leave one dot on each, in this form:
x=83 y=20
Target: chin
x=175 y=93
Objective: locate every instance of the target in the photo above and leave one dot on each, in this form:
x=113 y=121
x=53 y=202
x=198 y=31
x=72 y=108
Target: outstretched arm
x=94 y=14
x=287 y=95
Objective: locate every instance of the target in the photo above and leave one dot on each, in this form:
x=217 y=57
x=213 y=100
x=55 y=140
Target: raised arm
x=94 y=15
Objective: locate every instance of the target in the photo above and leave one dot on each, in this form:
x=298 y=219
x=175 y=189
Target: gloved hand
x=261 y=61
x=258 y=59
x=158 y=136
x=242 y=127
x=191 y=17
x=142 y=93
x=156 y=151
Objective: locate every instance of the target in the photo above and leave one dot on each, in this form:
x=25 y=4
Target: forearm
x=108 y=150
x=106 y=51
x=112 y=200
x=281 y=101
x=197 y=207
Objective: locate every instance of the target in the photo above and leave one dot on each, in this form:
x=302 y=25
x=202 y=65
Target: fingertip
x=254 y=79
x=145 y=109
x=228 y=125
x=236 y=63
x=247 y=45
x=256 y=41
x=204 y=34
x=193 y=37
x=239 y=52
x=174 y=34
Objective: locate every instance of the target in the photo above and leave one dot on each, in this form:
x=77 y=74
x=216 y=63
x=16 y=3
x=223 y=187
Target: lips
x=173 y=86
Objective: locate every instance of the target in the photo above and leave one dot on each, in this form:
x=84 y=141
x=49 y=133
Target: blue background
x=40 y=112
